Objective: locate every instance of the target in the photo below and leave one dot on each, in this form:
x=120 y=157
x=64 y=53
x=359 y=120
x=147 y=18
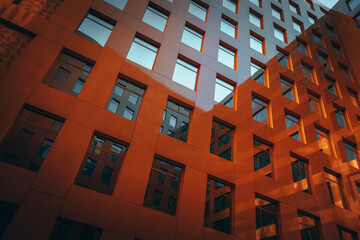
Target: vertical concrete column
x=192 y=203
x=138 y=161
x=61 y=164
x=35 y=217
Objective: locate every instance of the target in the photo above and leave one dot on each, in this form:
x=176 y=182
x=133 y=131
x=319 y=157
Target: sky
x=328 y=3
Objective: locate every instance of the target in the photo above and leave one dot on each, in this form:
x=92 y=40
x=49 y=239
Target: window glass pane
x=155 y=18
x=256 y=44
x=228 y=27
x=256 y=2
x=255 y=20
x=259 y=110
x=221 y=140
x=286 y=89
x=276 y=13
x=257 y=73
x=297 y=27
x=229 y=4
x=142 y=52
x=224 y=93
x=78 y=86
x=185 y=74
x=113 y=106
x=117 y=3
x=96 y=29
x=198 y=10
x=279 y=34
x=350 y=151
x=226 y=56
x=128 y=113
x=192 y=38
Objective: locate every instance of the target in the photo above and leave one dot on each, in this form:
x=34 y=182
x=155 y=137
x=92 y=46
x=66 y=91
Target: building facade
x=181 y=119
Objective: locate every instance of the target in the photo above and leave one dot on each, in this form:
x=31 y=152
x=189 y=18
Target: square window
x=354 y=97
x=345 y=71
x=277 y=12
x=266 y=217
x=293 y=125
x=287 y=88
x=323 y=138
x=345 y=233
x=198 y=9
x=227 y=55
x=101 y=164
x=228 y=26
x=283 y=57
x=260 y=109
x=315 y=103
x=163 y=187
x=231 y=5
x=303 y=47
x=176 y=121
x=125 y=99
x=29 y=140
x=309 y=226
x=308 y=72
x=96 y=27
x=317 y=38
x=351 y=152
x=256 y=2
x=294 y=7
x=340 y=115
x=224 y=93
x=218 y=198
x=337 y=49
x=352 y=4
x=185 y=73
x=324 y=59
x=280 y=33
x=330 y=30
x=69 y=73
x=257 y=43
x=332 y=87
x=155 y=17
x=69 y=229
x=120 y=4
x=334 y=184
x=262 y=156
x=311 y=18
x=143 y=52
x=258 y=73
x=192 y=37
x=298 y=26
x=256 y=19
x=300 y=173
x=221 y=140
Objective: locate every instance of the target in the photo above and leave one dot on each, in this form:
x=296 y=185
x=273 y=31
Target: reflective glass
x=226 y=56
x=155 y=18
x=228 y=27
x=224 y=93
x=142 y=52
x=198 y=10
x=297 y=26
x=117 y=3
x=255 y=20
x=256 y=44
x=276 y=13
x=96 y=29
x=230 y=4
x=279 y=34
x=192 y=38
x=185 y=74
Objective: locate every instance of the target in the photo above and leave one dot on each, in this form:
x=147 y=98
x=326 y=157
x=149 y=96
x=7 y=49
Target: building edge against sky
x=179 y=120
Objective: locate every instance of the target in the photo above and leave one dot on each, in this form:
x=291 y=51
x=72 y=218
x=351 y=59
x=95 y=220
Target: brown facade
x=96 y=146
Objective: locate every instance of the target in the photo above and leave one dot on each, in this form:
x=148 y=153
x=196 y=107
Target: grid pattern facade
x=168 y=120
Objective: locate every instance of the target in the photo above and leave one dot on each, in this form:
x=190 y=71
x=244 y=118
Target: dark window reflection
x=218 y=206
x=101 y=164
x=262 y=157
x=163 y=186
x=125 y=99
x=266 y=219
x=30 y=139
x=68 y=73
x=221 y=140
x=176 y=120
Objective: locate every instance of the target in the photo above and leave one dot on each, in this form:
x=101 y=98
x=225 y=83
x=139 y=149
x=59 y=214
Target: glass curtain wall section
x=218 y=206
